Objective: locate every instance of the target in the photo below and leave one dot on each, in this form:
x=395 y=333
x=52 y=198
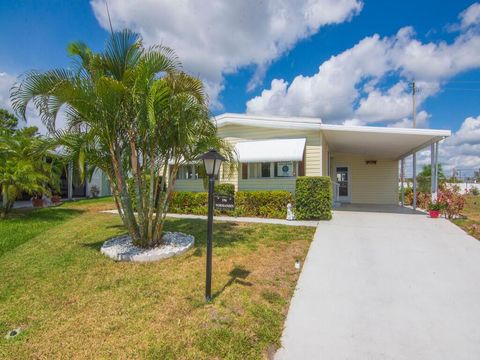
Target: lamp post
x=212 y=161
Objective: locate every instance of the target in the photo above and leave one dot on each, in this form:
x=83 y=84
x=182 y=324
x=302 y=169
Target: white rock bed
x=121 y=248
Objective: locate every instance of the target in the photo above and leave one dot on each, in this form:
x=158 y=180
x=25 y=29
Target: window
x=267 y=170
x=187 y=172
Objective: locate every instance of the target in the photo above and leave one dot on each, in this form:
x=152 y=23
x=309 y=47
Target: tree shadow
x=238 y=276
x=225 y=234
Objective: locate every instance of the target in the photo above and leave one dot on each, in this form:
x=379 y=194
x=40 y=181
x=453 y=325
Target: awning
x=270 y=150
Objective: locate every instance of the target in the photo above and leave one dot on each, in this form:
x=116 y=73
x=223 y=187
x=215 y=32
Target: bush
x=313 y=197
x=225 y=189
x=451 y=199
x=186 y=202
x=269 y=204
x=474 y=191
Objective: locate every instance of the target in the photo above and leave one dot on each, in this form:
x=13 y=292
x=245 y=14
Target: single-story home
x=363 y=161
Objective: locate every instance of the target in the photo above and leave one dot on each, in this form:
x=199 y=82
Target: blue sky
x=271 y=58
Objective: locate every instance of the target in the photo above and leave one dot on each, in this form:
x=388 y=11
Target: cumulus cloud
x=470 y=16
x=350 y=85
x=6 y=82
x=214 y=38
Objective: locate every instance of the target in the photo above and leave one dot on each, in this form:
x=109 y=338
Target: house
x=363 y=161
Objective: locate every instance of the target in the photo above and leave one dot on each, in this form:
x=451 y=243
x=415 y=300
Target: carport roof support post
x=414 y=155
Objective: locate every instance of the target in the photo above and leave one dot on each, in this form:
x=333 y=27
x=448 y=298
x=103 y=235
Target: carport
x=364 y=160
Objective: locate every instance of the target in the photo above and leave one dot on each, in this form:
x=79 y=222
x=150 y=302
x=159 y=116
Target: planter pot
x=38 y=203
x=56 y=199
x=434 y=213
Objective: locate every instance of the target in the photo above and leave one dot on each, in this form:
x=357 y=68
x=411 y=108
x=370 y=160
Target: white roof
x=270 y=150
x=276 y=122
x=380 y=142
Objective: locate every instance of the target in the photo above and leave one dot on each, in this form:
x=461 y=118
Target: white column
x=432 y=171
x=70 y=181
x=414 y=181
x=437 y=144
x=402 y=180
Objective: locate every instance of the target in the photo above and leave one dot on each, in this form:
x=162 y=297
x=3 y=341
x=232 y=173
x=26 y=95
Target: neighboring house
x=363 y=161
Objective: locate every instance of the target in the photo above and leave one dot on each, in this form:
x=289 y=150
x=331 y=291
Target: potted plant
x=434 y=209
x=37 y=201
x=94 y=191
x=56 y=199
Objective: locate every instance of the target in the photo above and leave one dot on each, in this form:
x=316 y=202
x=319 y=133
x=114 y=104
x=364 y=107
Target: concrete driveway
x=382 y=284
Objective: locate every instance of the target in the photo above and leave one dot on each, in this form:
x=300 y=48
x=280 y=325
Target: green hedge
x=269 y=204
x=186 y=202
x=225 y=189
x=313 y=197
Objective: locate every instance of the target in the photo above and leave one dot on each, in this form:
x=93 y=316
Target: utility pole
x=414 y=92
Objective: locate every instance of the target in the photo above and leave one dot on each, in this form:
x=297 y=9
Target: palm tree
x=24 y=166
x=132 y=113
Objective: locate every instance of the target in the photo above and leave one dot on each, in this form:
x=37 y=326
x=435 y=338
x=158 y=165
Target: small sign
x=224 y=202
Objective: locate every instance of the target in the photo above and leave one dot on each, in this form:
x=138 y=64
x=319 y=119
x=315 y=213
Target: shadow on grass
x=238 y=276
x=23 y=225
x=224 y=234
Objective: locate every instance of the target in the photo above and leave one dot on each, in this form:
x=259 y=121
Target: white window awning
x=270 y=150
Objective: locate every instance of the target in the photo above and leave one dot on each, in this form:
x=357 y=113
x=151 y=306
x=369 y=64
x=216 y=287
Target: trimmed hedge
x=268 y=204
x=225 y=189
x=186 y=202
x=313 y=197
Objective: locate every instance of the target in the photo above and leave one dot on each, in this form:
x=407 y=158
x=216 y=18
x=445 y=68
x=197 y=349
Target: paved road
x=380 y=285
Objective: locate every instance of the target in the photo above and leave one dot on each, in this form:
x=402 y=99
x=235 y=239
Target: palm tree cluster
x=27 y=165
x=133 y=113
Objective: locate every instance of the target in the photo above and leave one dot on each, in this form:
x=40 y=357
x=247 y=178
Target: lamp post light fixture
x=212 y=161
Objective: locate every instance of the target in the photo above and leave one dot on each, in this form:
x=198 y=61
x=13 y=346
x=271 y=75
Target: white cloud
x=214 y=38
x=350 y=84
x=407 y=122
x=6 y=82
x=470 y=16
x=33 y=119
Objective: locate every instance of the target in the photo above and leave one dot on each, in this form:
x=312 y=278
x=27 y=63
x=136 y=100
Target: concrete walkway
x=255 y=220
x=386 y=285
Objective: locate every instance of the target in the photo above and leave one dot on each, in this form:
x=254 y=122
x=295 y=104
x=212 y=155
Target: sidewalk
x=308 y=223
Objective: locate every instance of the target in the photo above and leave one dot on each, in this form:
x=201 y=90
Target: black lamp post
x=212 y=161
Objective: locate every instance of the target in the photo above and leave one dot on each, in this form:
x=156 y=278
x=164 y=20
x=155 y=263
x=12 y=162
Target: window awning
x=270 y=150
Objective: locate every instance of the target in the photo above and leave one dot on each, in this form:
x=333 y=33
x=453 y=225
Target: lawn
x=72 y=302
x=471 y=212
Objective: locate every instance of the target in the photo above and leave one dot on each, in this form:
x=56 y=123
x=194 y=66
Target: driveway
x=379 y=283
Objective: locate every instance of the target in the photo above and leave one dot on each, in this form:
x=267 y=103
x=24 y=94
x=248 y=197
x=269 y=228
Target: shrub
x=186 y=202
x=313 y=197
x=451 y=199
x=474 y=191
x=225 y=189
x=269 y=204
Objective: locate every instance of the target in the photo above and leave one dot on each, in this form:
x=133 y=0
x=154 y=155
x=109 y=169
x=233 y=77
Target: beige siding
x=287 y=184
x=324 y=156
x=189 y=185
x=370 y=184
x=313 y=154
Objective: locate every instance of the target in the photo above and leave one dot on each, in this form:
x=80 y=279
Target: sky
x=345 y=61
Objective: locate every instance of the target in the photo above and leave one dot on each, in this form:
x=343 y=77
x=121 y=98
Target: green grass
x=471 y=221
x=72 y=302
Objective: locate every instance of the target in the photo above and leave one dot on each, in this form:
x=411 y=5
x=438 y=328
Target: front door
x=342 y=174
